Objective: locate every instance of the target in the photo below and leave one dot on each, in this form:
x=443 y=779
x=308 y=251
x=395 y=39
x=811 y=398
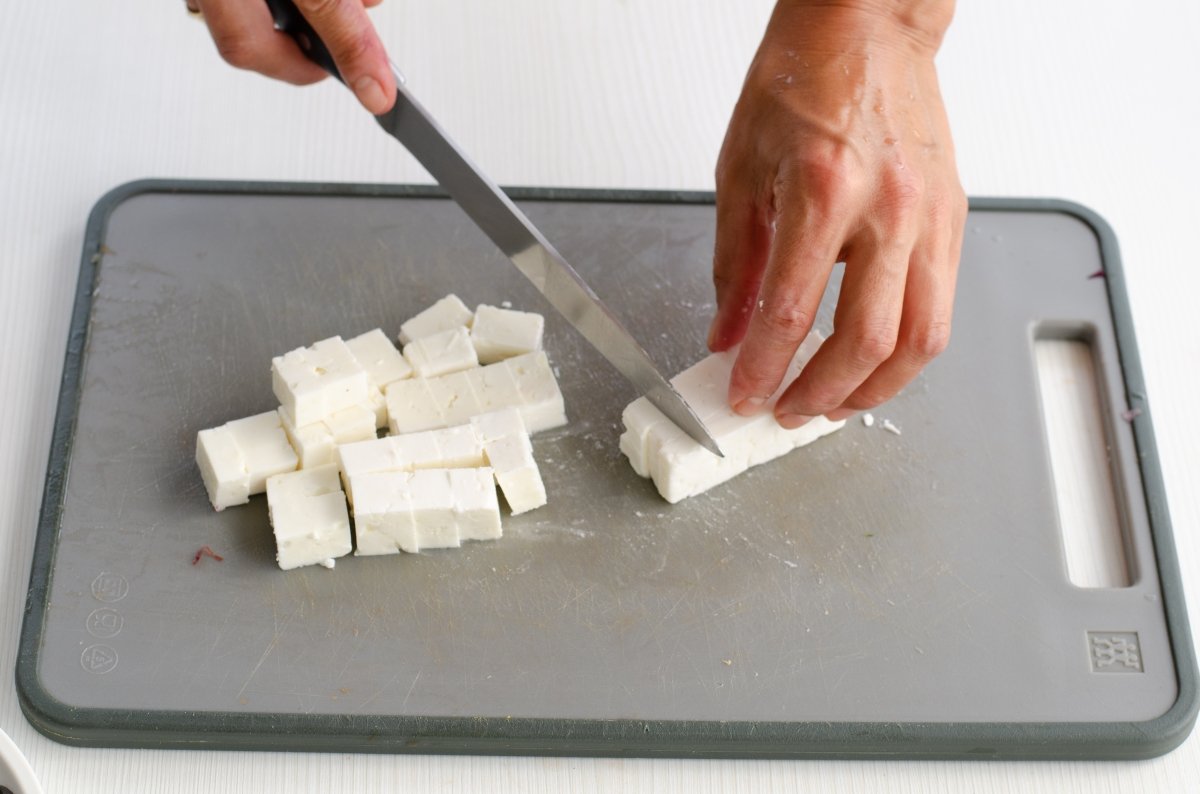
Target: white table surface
x=1091 y=100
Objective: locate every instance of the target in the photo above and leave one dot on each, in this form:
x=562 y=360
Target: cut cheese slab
x=510 y=454
x=441 y=353
x=498 y=333
x=307 y=511
x=236 y=458
x=425 y=509
x=445 y=448
x=524 y=382
x=314 y=382
x=379 y=357
x=680 y=467
x=448 y=313
x=383 y=517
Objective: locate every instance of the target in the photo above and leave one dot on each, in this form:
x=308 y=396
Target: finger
x=245 y=36
x=352 y=41
x=742 y=243
x=371 y=3
x=803 y=253
x=866 y=324
x=926 y=320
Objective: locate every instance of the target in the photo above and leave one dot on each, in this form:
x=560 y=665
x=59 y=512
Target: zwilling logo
x=1115 y=652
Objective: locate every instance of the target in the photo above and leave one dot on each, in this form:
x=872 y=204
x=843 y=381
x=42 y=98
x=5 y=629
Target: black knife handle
x=289 y=20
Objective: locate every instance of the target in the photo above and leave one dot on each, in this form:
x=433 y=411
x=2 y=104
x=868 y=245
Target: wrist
x=915 y=25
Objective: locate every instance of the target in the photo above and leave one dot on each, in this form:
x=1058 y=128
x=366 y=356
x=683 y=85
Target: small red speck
x=1098 y=274
x=206 y=551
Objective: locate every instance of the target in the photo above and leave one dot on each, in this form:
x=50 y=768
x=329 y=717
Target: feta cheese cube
x=316 y=444
x=503 y=333
x=236 y=458
x=511 y=457
x=307 y=511
x=379 y=357
x=454 y=397
x=680 y=467
x=441 y=353
x=434 y=509
x=494 y=387
x=445 y=448
x=541 y=401
x=498 y=424
x=314 y=382
x=477 y=511
x=411 y=406
x=449 y=312
x=383 y=515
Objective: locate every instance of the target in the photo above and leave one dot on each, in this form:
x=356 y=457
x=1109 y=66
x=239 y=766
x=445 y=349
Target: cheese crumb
x=868 y=420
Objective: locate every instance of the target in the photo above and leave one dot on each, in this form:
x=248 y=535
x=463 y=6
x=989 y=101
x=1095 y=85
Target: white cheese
x=524 y=382
x=498 y=424
x=236 y=458
x=383 y=517
x=441 y=353
x=449 y=312
x=511 y=457
x=314 y=382
x=445 y=448
x=307 y=511
x=379 y=357
x=316 y=444
x=503 y=333
x=476 y=508
x=680 y=467
x=434 y=509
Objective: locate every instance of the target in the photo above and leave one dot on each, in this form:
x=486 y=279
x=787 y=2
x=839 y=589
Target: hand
x=838 y=150
x=245 y=36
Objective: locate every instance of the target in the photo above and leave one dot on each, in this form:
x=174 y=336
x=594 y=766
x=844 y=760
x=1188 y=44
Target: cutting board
x=875 y=594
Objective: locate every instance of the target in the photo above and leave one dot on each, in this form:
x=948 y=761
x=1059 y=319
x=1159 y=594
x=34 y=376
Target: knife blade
x=512 y=232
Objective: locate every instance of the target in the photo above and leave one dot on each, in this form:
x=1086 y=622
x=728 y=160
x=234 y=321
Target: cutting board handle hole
x=1094 y=537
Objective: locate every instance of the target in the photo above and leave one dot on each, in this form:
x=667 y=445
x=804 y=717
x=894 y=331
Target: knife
x=496 y=215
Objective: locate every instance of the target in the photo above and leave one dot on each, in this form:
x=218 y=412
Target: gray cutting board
x=872 y=594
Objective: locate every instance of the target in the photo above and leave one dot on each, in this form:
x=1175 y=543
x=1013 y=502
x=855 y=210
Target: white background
x=1094 y=101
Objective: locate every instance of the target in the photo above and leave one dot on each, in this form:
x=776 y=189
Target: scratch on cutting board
x=411 y=687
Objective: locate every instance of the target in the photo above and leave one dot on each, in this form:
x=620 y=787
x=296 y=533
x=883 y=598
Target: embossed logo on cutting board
x=104 y=623
x=99 y=659
x=110 y=587
x=1115 y=651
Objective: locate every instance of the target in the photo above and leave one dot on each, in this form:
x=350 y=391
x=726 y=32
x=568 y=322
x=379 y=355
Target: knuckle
x=872 y=344
x=866 y=398
x=236 y=49
x=901 y=193
x=828 y=176
x=785 y=319
x=928 y=340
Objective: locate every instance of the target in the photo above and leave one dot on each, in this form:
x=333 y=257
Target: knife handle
x=289 y=20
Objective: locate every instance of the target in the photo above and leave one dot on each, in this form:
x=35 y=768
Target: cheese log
x=236 y=458
x=524 y=382
x=449 y=312
x=308 y=514
x=498 y=333
x=680 y=467
x=314 y=382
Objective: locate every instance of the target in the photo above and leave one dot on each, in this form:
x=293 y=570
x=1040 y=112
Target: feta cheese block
x=236 y=458
x=476 y=508
x=511 y=458
x=680 y=467
x=498 y=424
x=449 y=312
x=314 y=382
x=498 y=334
x=383 y=517
x=441 y=353
x=379 y=357
x=317 y=444
x=524 y=382
x=307 y=510
x=451 y=447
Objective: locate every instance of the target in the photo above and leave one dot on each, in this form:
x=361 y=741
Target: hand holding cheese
x=838 y=149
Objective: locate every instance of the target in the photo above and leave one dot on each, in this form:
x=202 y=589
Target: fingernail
x=370 y=93
x=839 y=414
x=749 y=406
x=792 y=421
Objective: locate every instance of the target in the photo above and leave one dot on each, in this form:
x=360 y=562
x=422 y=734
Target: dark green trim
x=581 y=737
